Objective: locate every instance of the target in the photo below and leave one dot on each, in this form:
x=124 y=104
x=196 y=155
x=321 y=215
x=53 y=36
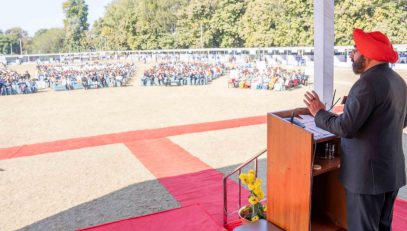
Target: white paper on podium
x=310 y=126
x=306 y=119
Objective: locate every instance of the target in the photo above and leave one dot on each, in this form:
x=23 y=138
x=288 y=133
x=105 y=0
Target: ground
x=72 y=189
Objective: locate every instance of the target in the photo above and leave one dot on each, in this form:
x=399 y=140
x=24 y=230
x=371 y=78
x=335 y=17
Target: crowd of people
x=12 y=83
x=61 y=77
x=182 y=73
x=86 y=76
x=268 y=78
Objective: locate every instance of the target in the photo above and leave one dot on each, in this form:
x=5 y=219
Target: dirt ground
x=80 y=188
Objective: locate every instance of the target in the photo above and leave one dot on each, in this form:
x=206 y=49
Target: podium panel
x=299 y=197
x=288 y=174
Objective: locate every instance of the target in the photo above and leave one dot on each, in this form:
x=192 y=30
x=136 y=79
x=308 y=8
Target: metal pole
x=256 y=163
x=11 y=48
x=201 y=36
x=21 y=48
x=240 y=189
x=225 y=202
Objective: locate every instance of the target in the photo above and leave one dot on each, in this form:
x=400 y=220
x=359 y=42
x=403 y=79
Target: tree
x=194 y=23
x=16 y=35
x=39 y=32
x=10 y=40
x=225 y=24
x=383 y=15
x=278 y=23
x=75 y=24
x=156 y=24
x=116 y=28
x=48 y=41
x=138 y=24
x=5 y=42
x=259 y=23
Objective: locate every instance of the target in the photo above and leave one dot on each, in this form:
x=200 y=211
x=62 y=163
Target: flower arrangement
x=255 y=210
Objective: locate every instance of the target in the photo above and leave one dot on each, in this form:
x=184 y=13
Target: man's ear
x=367 y=61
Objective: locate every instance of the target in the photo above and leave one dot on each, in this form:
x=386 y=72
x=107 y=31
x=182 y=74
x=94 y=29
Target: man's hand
x=313 y=102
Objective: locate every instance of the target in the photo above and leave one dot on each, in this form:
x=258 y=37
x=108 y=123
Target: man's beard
x=359 y=65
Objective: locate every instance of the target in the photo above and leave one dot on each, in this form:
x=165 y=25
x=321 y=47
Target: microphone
x=292 y=120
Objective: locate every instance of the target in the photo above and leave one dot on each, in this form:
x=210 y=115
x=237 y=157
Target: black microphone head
x=292 y=116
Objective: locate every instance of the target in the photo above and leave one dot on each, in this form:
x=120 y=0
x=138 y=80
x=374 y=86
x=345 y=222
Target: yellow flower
x=255 y=218
x=254 y=185
x=258 y=182
x=243 y=177
x=251 y=178
x=257 y=190
x=260 y=195
x=253 y=200
x=265 y=208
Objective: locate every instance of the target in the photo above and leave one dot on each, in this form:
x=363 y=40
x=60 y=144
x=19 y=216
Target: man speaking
x=371 y=129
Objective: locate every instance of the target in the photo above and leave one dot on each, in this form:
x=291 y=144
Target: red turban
x=375 y=45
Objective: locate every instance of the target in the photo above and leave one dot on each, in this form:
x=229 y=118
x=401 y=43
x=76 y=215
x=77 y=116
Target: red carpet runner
x=182 y=219
x=186 y=177
x=193 y=183
x=92 y=141
x=400 y=215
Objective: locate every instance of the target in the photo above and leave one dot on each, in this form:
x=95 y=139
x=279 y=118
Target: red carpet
x=92 y=141
x=191 y=218
x=400 y=215
x=186 y=177
x=193 y=183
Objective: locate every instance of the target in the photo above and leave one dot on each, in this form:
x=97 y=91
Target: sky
x=32 y=15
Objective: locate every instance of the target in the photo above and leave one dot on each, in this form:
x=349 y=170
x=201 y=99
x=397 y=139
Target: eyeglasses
x=353 y=51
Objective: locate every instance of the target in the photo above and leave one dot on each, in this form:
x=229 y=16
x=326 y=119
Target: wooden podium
x=300 y=198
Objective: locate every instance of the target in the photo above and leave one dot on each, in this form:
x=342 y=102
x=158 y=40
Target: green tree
x=39 y=32
x=386 y=16
x=48 y=41
x=194 y=24
x=5 y=42
x=116 y=28
x=226 y=23
x=138 y=24
x=16 y=35
x=156 y=24
x=259 y=23
x=76 y=25
x=290 y=23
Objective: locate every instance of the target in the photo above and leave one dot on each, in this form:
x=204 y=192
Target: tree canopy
x=155 y=24
x=76 y=24
x=10 y=41
x=167 y=24
x=48 y=41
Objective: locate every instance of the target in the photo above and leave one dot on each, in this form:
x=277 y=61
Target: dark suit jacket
x=371 y=127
